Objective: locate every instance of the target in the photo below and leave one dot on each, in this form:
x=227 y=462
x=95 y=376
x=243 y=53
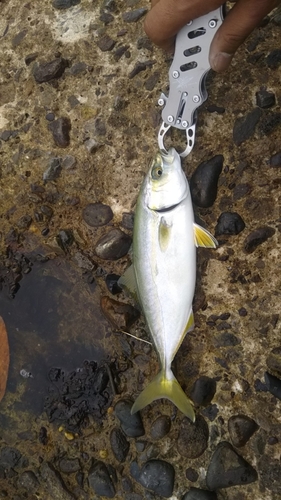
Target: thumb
x=242 y=19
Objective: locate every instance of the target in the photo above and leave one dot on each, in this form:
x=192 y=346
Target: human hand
x=167 y=17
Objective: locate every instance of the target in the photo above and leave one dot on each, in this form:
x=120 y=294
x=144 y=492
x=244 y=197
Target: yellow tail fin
x=162 y=387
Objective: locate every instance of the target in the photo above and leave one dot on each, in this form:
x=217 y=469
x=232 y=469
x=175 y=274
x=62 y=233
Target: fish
x=162 y=276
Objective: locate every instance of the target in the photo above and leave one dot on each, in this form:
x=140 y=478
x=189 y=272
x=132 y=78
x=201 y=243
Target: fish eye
x=156 y=172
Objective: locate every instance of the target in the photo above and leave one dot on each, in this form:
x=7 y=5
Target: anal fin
x=203 y=238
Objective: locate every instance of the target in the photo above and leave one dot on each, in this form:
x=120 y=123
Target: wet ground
x=80 y=130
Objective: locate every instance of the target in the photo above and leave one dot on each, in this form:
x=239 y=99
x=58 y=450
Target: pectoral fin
x=165 y=231
x=128 y=281
x=203 y=238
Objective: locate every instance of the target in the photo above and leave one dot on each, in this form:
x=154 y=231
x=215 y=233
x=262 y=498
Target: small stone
x=9 y=457
x=106 y=17
x=30 y=58
x=152 y=80
x=100 y=127
x=144 y=43
x=273 y=361
x=241 y=428
x=97 y=214
x=68 y=162
x=113 y=245
x=160 y=427
x=28 y=481
x=91 y=145
x=227 y=468
x=191 y=474
x=134 y=15
x=242 y=312
x=204 y=182
x=229 y=223
x=131 y=424
x=158 y=476
x=197 y=494
x=106 y=43
x=257 y=237
x=120 y=51
x=275 y=160
x=100 y=480
x=65 y=4
x=69 y=465
x=265 y=99
x=212 y=108
x=48 y=71
x=128 y=221
x=193 y=437
x=244 y=127
x=273 y=59
x=53 y=482
x=18 y=38
x=119 y=444
x=226 y=339
x=24 y=222
x=120 y=314
x=111 y=281
x=211 y=411
x=60 y=129
x=273 y=384
x=50 y=117
x=73 y=101
x=269 y=122
x=241 y=190
x=78 y=68
x=203 y=390
x=140 y=66
x=43 y=436
x=53 y=171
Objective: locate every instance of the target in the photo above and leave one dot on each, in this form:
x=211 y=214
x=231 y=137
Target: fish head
x=165 y=185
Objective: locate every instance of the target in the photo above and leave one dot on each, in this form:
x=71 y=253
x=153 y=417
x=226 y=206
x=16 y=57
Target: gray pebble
x=227 y=468
x=134 y=15
x=48 y=71
x=68 y=162
x=152 y=80
x=241 y=428
x=275 y=160
x=53 y=171
x=69 y=465
x=158 y=476
x=60 y=129
x=226 y=339
x=78 y=68
x=211 y=411
x=204 y=182
x=257 y=237
x=114 y=245
x=106 y=17
x=119 y=444
x=265 y=99
x=91 y=145
x=140 y=66
x=273 y=59
x=191 y=474
x=197 y=494
x=100 y=480
x=273 y=384
x=193 y=437
x=229 y=223
x=9 y=457
x=203 y=390
x=130 y=424
x=119 y=52
x=24 y=222
x=106 y=43
x=53 y=482
x=244 y=127
x=160 y=427
x=97 y=214
x=127 y=221
x=28 y=481
x=65 y=4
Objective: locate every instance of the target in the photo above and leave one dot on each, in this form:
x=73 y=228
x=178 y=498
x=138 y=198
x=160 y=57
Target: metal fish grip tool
x=187 y=77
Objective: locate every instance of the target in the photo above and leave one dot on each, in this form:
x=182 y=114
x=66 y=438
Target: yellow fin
x=190 y=324
x=128 y=281
x=203 y=238
x=164 y=234
x=161 y=387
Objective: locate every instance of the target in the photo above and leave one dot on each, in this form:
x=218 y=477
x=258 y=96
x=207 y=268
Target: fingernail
x=220 y=61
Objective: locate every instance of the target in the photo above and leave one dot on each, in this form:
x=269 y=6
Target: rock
x=97 y=214
x=273 y=59
x=113 y=245
x=203 y=390
x=211 y=411
x=9 y=457
x=119 y=444
x=193 y=438
x=69 y=465
x=204 y=182
x=134 y=15
x=78 y=68
x=273 y=361
x=106 y=17
x=152 y=80
x=120 y=314
x=270 y=473
x=24 y=222
x=65 y=4
x=144 y=43
x=160 y=427
x=53 y=483
x=227 y=468
x=130 y=424
x=53 y=171
x=100 y=480
x=265 y=99
x=229 y=223
x=197 y=494
x=158 y=476
x=30 y=58
x=28 y=481
x=128 y=221
x=65 y=239
x=60 y=129
x=269 y=122
x=213 y=108
x=106 y=43
x=18 y=38
x=241 y=428
x=120 y=51
x=43 y=436
x=140 y=66
x=68 y=162
x=257 y=237
x=273 y=384
x=244 y=127
x=100 y=127
x=91 y=145
x=226 y=339
x=275 y=160
x=111 y=282
x=48 y=71
x=191 y=474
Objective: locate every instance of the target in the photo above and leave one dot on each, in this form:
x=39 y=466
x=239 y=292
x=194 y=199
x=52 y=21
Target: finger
x=167 y=17
x=242 y=19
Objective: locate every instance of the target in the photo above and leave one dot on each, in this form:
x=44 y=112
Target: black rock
x=144 y=43
x=111 y=281
x=213 y=108
x=241 y=428
x=269 y=122
x=211 y=411
x=203 y=390
x=275 y=160
x=257 y=237
x=53 y=171
x=139 y=66
x=100 y=480
x=24 y=222
x=106 y=43
x=158 y=476
x=265 y=99
x=97 y=214
x=134 y=15
x=65 y=239
x=273 y=59
x=152 y=80
x=244 y=127
x=193 y=438
x=160 y=427
x=60 y=129
x=204 y=182
x=130 y=424
x=229 y=223
x=114 y=245
x=119 y=444
x=191 y=474
x=106 y=17
x=9 y=457
x=120 y=51
x=43 y=436
x=226 y=339
x=227 y=468
x=273 y=361
x=197 y=494
x=65 y=4
x=28 y=481
x=48 y=71
x=69 y=465
x=273 y=384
